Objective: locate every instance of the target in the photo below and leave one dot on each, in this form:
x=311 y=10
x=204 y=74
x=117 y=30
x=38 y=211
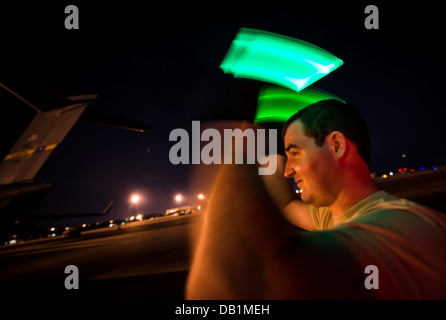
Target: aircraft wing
x=37 y=96
x=98 y=117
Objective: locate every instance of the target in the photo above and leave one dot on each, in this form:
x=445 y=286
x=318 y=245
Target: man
x=246 y=250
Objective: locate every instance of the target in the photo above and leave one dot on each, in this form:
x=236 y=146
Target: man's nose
x=289 y=171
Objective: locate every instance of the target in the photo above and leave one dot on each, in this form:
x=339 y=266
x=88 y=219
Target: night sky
x=157 y=62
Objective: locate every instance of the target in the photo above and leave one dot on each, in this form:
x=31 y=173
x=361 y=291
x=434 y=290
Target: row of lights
x=404 y=170
x=135 y=198
x=179 y=197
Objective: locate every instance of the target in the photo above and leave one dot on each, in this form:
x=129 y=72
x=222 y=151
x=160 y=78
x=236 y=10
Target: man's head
x=321 y=141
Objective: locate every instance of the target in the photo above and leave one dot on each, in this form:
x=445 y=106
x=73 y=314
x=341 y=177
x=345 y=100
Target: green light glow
x=270 y=57
x=277 y=104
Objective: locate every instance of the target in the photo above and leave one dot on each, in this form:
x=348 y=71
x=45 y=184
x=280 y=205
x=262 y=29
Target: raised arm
x=294 y=210
x=242 y=240
x=247 y=250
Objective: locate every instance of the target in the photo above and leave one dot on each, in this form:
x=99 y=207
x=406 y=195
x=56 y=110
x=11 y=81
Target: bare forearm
x=243 y=243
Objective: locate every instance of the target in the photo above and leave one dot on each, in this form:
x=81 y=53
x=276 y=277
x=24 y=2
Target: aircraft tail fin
x=56 y=115
x=45 y=132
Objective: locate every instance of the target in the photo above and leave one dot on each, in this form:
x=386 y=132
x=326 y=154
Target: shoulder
x=410 y=222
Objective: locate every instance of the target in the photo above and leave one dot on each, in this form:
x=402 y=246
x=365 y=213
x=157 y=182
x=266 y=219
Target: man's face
x=312 y=167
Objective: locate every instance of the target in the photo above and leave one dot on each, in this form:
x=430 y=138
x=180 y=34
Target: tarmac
x=142 y=260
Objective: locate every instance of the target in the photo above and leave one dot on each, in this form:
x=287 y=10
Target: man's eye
x=294 y=153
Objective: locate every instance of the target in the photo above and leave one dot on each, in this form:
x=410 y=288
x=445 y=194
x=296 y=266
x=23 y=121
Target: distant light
x=178 y=198
x=110 y=225
x=67 y=228
x=84 y=225
x=199 y=207
x=52 y=229
x=400 y=170
x=435 y=168
x=122 y=223
x=422 y=168
x=412 y=170
x=139 y=217
x=135 y=198
x=201 y=196
x=132 y=218
x=391 y=174
x=405 y=169
x=384 y=176
x=403 y=155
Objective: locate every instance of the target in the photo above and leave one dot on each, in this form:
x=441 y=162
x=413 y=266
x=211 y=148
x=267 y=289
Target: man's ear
x=337 y=143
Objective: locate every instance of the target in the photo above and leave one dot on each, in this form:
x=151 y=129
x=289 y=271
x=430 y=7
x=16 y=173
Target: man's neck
x=348 y=197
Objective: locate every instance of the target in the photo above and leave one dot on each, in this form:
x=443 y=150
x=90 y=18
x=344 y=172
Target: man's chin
x=308 y=199
x=305 y=198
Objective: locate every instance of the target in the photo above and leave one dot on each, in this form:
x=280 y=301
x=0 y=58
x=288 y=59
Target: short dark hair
x=323 y=117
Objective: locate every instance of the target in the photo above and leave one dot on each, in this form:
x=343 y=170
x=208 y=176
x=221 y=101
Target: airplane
x=56 y=115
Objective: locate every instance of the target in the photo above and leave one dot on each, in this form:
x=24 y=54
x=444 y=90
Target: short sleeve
x=320 y=217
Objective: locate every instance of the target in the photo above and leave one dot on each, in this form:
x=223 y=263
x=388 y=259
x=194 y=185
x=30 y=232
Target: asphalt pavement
x=142 y=260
